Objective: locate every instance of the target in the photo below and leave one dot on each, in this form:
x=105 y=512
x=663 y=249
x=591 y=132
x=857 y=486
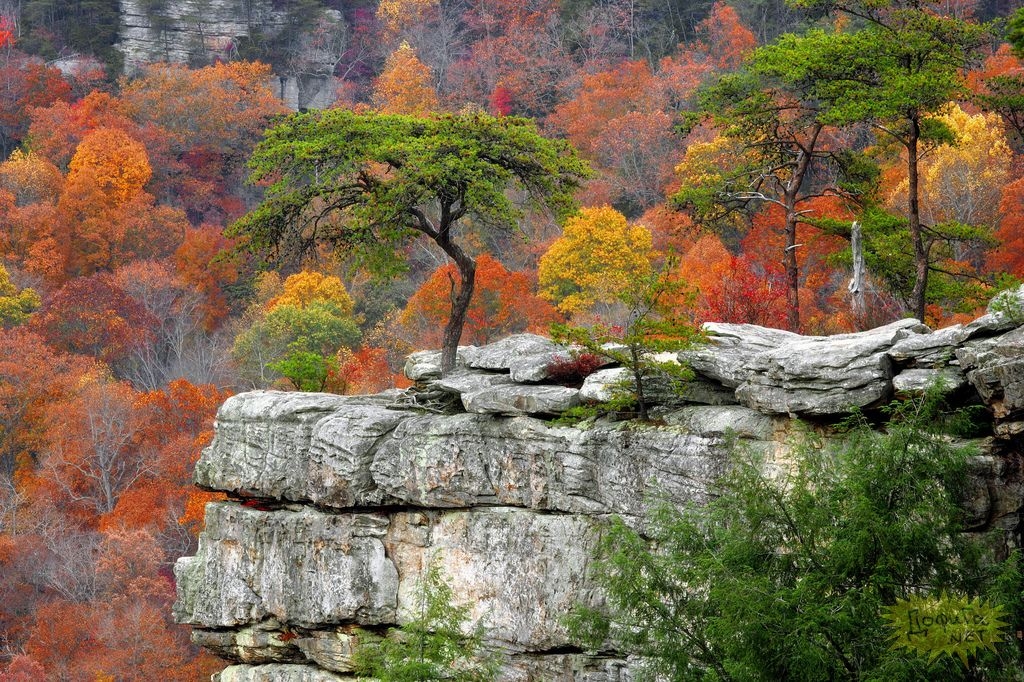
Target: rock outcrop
x=204 y=31
x=338 y=504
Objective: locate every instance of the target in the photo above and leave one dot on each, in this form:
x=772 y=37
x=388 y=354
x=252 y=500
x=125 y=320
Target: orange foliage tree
x=92 y=454
x=501 y=305
x=1008 y=256
x=25 y=83
x=733 y=288
x=93 y=316
x=404 y=86
x=117 y=164
x=198 y=261
x=33 y=377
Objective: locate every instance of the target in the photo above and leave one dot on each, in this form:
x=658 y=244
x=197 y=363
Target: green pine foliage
x=785 y=576
x=432 y=646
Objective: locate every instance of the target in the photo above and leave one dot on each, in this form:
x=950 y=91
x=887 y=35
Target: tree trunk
x=917 y=295
x=789 y=262
x=790 y=199
x=461 y=297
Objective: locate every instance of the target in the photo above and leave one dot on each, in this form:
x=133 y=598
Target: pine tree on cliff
x=367 y=184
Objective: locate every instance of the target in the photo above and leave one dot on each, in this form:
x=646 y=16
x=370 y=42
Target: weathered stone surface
x=426 y=364
x=995 y=367
x=257 y=643
x=509 y=506
x=917 y=381
x=300 y=567
x=517 y=668
x=519 y=571
x=518 y=399
x=661 y=389
x=470 y=382
x=296 y=446
x=731 y=347
x=524 y=356
x=995 y=495
x=331 y=650
x=469 y=460
x=276 y=673
x=604 y=384
x=928 y=350
x=718 y=422
x=824 y=375
x=566 y=668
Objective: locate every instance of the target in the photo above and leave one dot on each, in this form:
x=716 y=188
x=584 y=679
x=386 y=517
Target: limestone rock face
x=339 y=504
x=204 y=31
x=824 y=375
x=995 y=367
x=276 y=673
x=310 y=568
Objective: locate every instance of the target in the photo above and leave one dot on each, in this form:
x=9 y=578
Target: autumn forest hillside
x=738 y=150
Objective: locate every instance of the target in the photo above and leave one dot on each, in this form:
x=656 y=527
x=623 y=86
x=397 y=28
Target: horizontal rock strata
x=339 y=504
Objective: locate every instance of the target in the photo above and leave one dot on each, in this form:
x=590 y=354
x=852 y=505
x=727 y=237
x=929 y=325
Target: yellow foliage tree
x=404 y=86
x=597 y=257
x=706 y=163
x=113 y=162
x=306 y=287
x=30 y=178
x=397 y=15
x=15 y=305
x=963 y=182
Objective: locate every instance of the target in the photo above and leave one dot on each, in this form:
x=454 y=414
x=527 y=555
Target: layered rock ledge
x=337 y=504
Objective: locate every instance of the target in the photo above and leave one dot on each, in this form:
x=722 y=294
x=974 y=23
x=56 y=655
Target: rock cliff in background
x=337 y=504
x=203 y=31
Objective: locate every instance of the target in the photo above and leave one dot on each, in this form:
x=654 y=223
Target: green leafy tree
x=295 y=329
x=298 y=342
x=778 y=127
x=308 y=371
x=369 y=183
x=654 y=326
x=787 y=574
x=431 y=646
x=15 y=305
x=904 y=65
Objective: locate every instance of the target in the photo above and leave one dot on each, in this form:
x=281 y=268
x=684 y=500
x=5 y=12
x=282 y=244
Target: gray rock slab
x=258 y=643
x=519 y=571
x=470 y=382
x=469 y=460
x=277 y=672
x=928 y=350
x=604 y=384
x=426 y=364
x=296 y=446
x=719 y=422
x=524 y=356
x=825 y=375
x=995 y=367
x=332 y=650
x=520 y=399
x=661 y=389
x=918 y=381
x=303 y=567
x=730 y=348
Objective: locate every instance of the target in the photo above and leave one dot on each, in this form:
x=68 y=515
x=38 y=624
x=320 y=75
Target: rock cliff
x=337 y=504
x=203 y=31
